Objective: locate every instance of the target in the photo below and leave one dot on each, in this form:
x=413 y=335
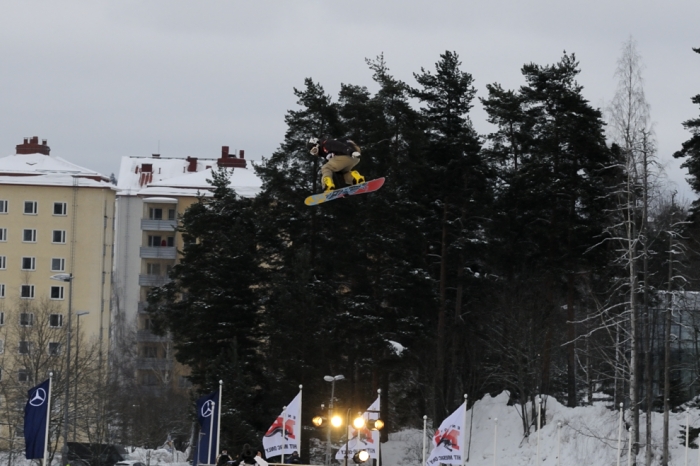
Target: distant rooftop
x=32 y=165
x=167 y=176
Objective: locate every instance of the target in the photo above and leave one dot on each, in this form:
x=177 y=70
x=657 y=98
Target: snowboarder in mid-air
x=341 y=157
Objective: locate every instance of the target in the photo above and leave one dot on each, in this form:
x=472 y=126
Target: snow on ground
x=588 y=434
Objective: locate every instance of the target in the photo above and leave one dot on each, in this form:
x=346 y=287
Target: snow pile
x=588 y=436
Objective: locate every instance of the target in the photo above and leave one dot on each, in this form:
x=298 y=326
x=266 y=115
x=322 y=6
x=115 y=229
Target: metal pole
x=284 y=431
x=619 y=437
x=48 y=418
x=425 y=425
x=66 y=401
x=687 y=433
x=379 y=434
x=347 y=436
x=218 y=416
x=330 y=416
x=211 y=427
x=539 y=426
x=464 y=427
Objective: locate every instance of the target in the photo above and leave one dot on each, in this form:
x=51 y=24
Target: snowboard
x=368 y=187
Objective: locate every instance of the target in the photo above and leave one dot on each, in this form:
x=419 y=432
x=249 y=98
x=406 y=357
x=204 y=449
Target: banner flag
x=36 y=413
x=208 y=427
x=282 y=438
x=448 y=439
x=363 y=439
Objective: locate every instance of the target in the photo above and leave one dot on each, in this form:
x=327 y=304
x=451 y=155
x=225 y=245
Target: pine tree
x=210 y=306
x=550 y=156
x=691 y=151
x=451 y=183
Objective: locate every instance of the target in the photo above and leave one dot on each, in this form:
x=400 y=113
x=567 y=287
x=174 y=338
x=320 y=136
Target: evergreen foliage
x=481 y=255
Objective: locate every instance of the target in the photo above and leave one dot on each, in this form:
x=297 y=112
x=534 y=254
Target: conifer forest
x=548 y=256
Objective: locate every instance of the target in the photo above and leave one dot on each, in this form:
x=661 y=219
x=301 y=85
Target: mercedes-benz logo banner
x=208 y=416
x=36 y=412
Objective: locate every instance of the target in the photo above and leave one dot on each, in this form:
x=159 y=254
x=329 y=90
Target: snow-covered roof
x=40 y=169
x=178 y=177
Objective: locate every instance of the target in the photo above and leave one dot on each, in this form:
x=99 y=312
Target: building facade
x=152 y=193
x=56 y=246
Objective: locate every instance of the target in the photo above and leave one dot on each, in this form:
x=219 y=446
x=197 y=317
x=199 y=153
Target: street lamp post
x=332 y=379
x=66 y=277
x=77 y=353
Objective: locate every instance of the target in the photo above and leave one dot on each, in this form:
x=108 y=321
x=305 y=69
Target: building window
x=153 y=269
x=30 y=207
x=56 y=320
x=2 y=346
x=28 y=263
x=3 y=262
x=58 y=236
x=25 y=347
x=56 y=292
x=3 y=234
x=26 y=292
x=171 y=214
x=150 y=351
x=29 y=236
x=155 y=214
x=23 y=376
x=3 y=206
x=59 y=208
x=2 y=294
x=2 y=318
x=54 y=348
x=26 y=319
x=155 y=241
x=58 y=264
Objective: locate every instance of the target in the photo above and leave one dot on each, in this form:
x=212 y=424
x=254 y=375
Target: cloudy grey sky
x=104 y=79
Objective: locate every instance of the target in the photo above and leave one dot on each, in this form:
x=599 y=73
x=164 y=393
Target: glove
x=356 y=155
x=330 y=156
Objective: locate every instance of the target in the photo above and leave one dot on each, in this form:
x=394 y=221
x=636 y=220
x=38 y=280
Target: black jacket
x=336 y=147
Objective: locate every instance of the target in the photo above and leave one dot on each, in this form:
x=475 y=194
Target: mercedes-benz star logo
x=207 y=408
x=39 y=397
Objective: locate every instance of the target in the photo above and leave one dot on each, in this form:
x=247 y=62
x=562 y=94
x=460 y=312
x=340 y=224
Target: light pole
x=77 y=352
x=66 y=277
x=332 y=379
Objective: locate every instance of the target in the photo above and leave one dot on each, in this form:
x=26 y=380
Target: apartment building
x=152 y=193
x=56 y=238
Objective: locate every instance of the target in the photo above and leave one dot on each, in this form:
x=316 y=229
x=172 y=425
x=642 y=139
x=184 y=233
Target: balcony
x=146 y=336
x=161 y=252
x=148 y=224
x=153 y=280
x=154 y=364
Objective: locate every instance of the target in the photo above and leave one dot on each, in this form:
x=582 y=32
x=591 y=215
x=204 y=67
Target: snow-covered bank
x=588 y=436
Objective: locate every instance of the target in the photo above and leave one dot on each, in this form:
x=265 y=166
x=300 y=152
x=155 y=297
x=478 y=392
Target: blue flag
x=36 y=413
x=207 y=406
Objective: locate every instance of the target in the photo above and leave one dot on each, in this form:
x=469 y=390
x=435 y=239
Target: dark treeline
x=527 y=259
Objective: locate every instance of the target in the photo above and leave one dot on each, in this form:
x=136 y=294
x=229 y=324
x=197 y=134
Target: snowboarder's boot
x=328 y=184
x=356 y=177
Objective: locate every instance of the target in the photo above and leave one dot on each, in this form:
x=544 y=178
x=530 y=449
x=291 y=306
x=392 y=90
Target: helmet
x=313 y=146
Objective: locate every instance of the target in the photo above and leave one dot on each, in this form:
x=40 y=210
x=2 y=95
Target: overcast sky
x=100 y=80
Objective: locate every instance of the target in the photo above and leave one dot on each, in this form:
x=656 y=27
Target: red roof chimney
x=32 y=146
x=192 y=167
x=230 y=160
